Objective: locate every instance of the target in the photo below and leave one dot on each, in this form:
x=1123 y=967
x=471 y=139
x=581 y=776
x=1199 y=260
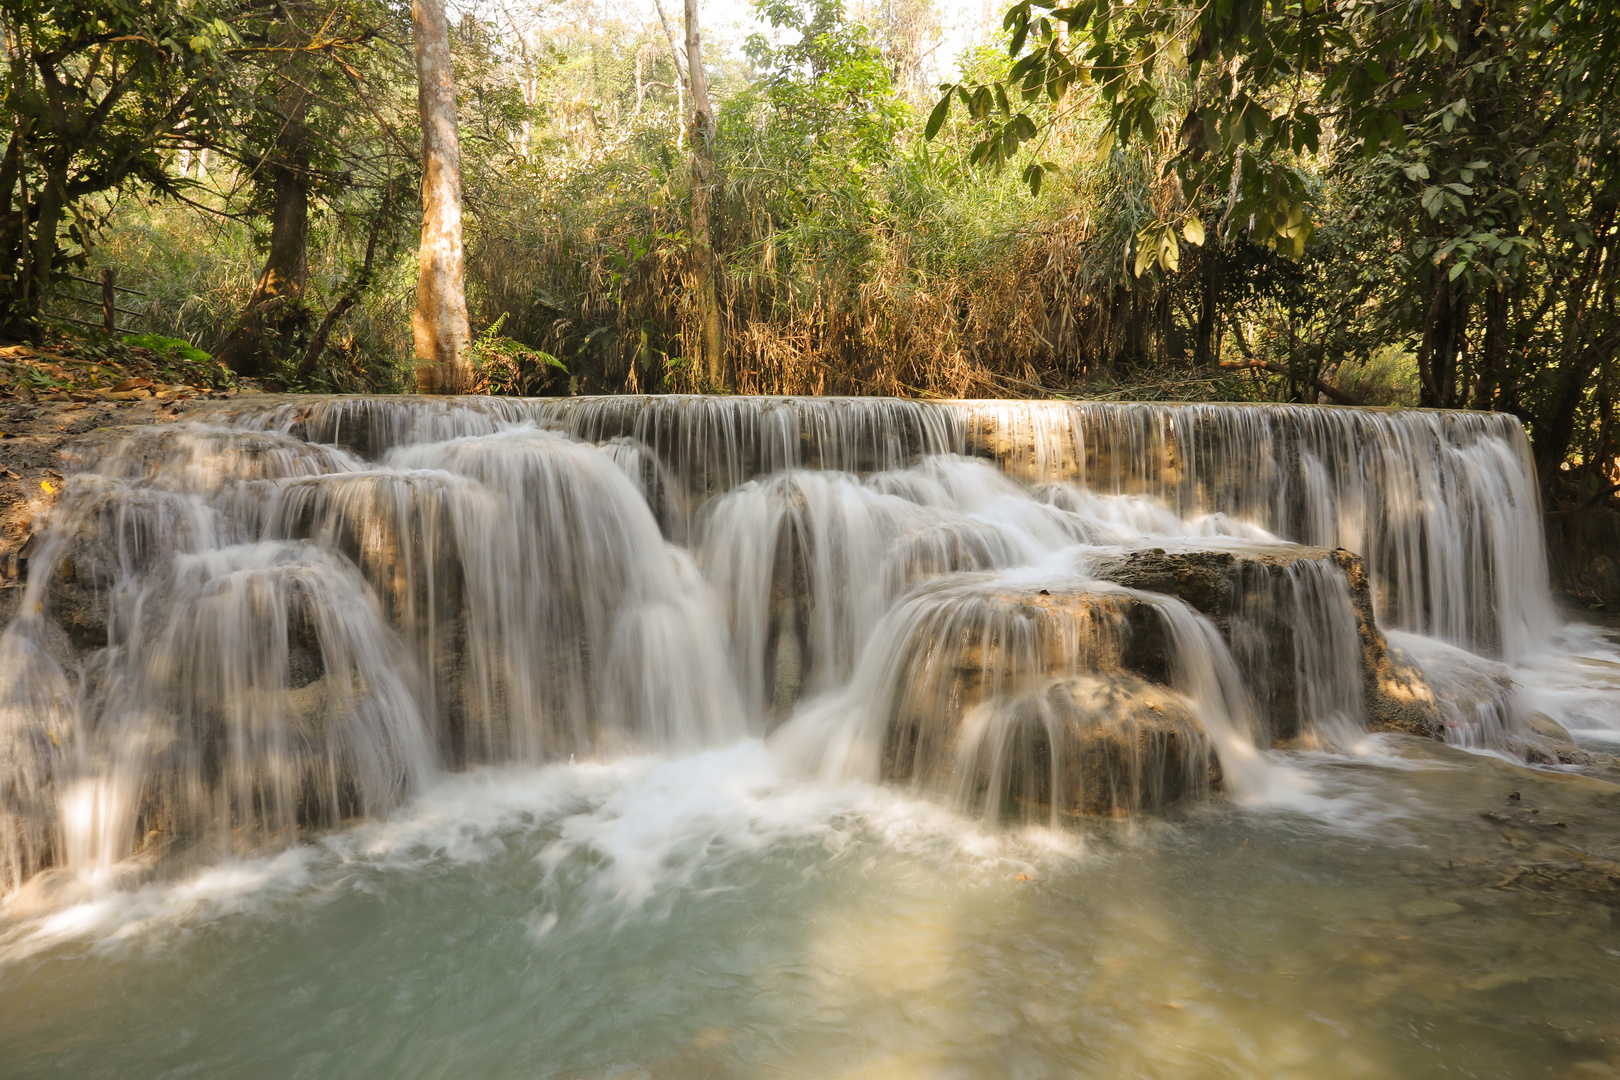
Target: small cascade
x=1105 y=745
x=1287 y=613
x=797 y=562
x=1041 y=703
x=1442 y=505
x=39 y=717
x=262 y=691
x=592 y=630
x=1476 y=697
x=286 y=617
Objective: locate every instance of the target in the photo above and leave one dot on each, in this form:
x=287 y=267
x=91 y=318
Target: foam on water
x=631 y=834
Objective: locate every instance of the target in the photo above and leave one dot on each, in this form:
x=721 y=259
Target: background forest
x=1385 y=205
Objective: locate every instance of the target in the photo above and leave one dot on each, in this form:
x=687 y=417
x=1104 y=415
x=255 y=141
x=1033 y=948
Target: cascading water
x=296 y=617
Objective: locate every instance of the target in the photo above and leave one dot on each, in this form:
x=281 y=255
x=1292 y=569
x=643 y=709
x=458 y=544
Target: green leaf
x=936 y=119
x=1169 y=250
x=1019 y=35
x=1033 y=176
x=1193 y=230
x=1144 y=256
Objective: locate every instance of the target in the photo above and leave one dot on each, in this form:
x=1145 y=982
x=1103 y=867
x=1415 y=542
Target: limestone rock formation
x=1278 y=609
x=1018 y=702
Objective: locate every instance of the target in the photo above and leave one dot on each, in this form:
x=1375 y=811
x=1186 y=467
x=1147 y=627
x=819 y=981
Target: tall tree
x=293 y=97
x=274 y=315
x=705 y=263
x=439 y=326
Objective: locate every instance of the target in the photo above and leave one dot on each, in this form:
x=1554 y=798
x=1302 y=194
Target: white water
x=292 y=636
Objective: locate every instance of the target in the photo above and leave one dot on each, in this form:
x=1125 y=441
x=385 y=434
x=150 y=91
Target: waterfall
x=293 y=615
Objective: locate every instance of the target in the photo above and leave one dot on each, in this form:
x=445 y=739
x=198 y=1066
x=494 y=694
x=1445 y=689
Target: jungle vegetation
x=1349 y=201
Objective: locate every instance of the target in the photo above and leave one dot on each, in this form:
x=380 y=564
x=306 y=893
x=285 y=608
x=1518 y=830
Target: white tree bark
x=440 y=323
x=705 y=263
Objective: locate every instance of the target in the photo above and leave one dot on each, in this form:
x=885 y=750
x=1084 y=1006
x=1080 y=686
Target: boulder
x=965 y=645
x=1544 y=741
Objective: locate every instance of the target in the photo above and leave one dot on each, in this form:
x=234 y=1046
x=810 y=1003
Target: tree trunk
x=1494 y=376
x=1209 y=281
x=50 y=205
x=274 y=319
x=1555 y=426
x=1445 y=337
x=358 y=284
x=13 y=236
x=440 y=323
x=705 y=265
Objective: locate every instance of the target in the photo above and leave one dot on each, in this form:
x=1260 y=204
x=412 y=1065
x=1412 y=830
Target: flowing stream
x=681 y=737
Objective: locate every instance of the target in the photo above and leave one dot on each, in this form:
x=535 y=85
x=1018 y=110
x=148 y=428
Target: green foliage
x=168 y=348
x=1387 y=377
x=504 y=366
x=830 y=88
x=95 y=90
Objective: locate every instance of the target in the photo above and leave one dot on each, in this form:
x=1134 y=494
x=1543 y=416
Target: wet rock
x=792 y=605
x=984 y=642
x=1544 y=741
x=1206 y=580
x=1276 y=609
x=1399 y=697
x=1112 y=744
